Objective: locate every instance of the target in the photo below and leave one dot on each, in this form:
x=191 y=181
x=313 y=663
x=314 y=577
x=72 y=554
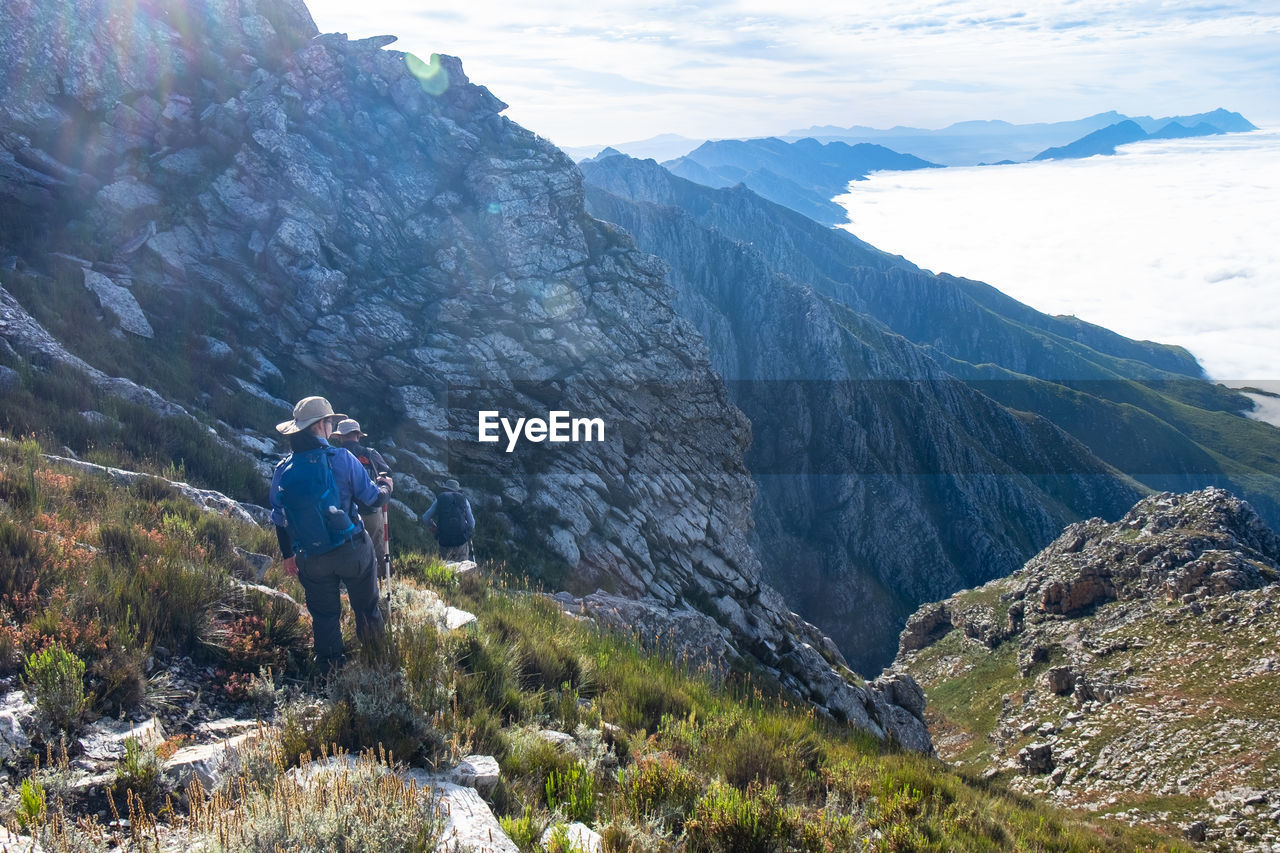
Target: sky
x=1171 y=241
x=620 y=70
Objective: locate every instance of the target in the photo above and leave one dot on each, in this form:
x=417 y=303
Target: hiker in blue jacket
x=313 y=505
x=451 y=517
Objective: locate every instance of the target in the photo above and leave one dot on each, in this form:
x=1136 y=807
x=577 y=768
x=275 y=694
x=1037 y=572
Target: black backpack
x=452 y=528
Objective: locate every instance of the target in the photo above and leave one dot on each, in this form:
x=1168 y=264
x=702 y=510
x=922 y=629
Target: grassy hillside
x=664 y=758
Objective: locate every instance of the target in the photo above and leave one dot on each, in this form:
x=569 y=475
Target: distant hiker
x=347 y=434
x=453 y=521
x=313 y=506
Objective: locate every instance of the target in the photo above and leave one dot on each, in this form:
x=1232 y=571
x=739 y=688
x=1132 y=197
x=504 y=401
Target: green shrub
x=54 y=678
x=523 y=831
x=430 y=570
x=572 y=792
x=308 y=730
x=142 y=773
x=31 y=805
x=530 y=756
x=727 y=820
x=659 y=786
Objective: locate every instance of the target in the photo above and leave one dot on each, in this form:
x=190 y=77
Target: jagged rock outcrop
x=1128 y=668
x=296 y=213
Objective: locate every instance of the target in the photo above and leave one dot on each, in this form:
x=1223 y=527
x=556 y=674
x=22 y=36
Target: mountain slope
x=1127 y=669
x=237 y=211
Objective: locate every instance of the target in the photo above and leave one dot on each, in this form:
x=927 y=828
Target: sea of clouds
x=1175 y=241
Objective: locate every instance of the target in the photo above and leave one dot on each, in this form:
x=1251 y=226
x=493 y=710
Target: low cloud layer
x=597 y=73
x=1171 y=241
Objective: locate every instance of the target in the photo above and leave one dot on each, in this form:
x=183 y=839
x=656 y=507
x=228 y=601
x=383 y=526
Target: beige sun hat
x=348 y=427
x=308 y=411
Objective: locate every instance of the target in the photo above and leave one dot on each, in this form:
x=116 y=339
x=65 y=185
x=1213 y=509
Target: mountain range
x=971 y=143
x=804 y=175
x=913 y=432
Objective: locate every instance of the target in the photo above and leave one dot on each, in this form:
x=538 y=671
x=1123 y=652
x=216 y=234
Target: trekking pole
x=386 y=559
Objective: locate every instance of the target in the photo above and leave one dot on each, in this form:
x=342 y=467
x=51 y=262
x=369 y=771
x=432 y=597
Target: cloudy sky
x=583 y=73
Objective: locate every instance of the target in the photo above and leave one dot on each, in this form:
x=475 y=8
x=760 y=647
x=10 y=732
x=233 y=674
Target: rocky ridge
x=1129 y=669
x=291 y=212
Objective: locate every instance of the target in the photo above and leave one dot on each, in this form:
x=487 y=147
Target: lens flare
x=433 y=76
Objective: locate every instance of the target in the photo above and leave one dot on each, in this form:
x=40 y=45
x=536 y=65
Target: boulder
x=478 y=771
x=1036 y=758
x=16 y=716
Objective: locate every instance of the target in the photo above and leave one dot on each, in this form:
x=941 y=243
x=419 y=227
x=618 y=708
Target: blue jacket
x=348 y=474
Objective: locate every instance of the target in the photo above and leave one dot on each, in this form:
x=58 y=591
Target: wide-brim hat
x=307 y=412
x=452 y=486
x=349 y=426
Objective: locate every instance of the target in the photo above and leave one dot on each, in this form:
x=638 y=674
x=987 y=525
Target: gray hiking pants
x=457 y=553
x=351 y=564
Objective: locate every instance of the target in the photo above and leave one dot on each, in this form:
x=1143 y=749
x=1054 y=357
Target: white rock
x=558 y=738
x=455 y=619
x=478 y=771
x=206 y=762
x=16 y=714
x=469 y=824
x=105 y=739
x=120 y=302
x=24 y=843
x=463 y=567
x=581 y=838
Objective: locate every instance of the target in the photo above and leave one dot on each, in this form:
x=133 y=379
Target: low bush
x=31 y=806
x=54 y=678
x=525 y=830
x=572 y=792
x=659 y=786
x=727 y=820
x=381 y=711
x=141 y=774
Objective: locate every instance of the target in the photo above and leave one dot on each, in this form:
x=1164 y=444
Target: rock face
x=1129 y=668
x=307 y=213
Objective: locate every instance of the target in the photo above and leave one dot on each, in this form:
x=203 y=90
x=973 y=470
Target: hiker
x=348 y=434
x=322 y=538
x=451 y=517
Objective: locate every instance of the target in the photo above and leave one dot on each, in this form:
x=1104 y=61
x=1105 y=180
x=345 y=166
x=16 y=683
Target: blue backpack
x=308 y=495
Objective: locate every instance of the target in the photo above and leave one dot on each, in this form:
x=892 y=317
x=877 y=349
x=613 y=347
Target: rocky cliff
x=1129 y=668
x=222 y=204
